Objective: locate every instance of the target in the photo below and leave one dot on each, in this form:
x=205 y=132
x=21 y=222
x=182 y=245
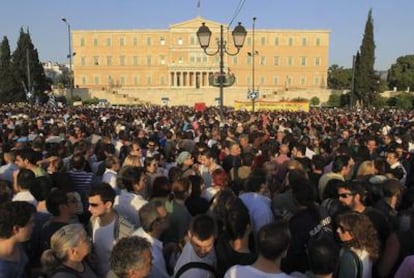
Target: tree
x=25 y=51
x=366 y=81
x=9 y=88
x=339 y=78
x=401 y=74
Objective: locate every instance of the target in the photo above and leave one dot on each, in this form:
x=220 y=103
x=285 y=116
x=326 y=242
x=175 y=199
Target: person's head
x=238 y=221
x=356 y=230
x=68 y=244
x=112 y=162
x=196 y=185
x=26 y=179
x=255 y=183
x=101 y=199
x=207 y=157
x=352 y=194
x=135 y=149
x=331 y=189
x=273 y=240
x=132 y=179
x=202 y=234
x=58 y=203
x=150 y=165
x=185 y=159
x=131 y=257
x=161 y=187
x=181 y=188
x=366 y=168
x=132 y=160
x=16 y=220
x=371 y=144
x=220 y=178
x=153 y=218
x=78 y=161
x=392 y=157
x=392 y=190
x=298 y=150
x=323 y=256
x=26 y=158
x=9 y=157
x=235 y=149
x=342 y=164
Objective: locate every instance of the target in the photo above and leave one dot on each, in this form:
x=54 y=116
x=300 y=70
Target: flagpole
x=198 y=8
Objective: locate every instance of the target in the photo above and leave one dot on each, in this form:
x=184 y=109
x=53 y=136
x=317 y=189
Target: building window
x=235 y=60
x=123 y=80
x=290 y=61
x=110 y=81
x=316 y=81
x=108 y=42
x=275 y=80
x=304 y=41
x=96 y=60
x=276 y=41
x=108 y=60
x=192 y=58
x=262 y=81
x=162 y=60
x=180 y=41
x=262 y=60
x=122 y=60
x=83 y=80
x=135 y=41
x=162 y=80
x=290 y=42
x=249 y=60
x=317 y=61
x=289 y=80
x=149 y=80
x=180 y=60
x=136 y=80
x=192 y=40
x=276 y=60
x=302 y=81
x=135 y=60
x=263 y=41
x=204 y=59
x=249 y=80
x=162 y=41
x=148 y=60
x=82 y=42
x=95 y=42
x=96 y=80
x=318 y=42
x=149 y=41
x=122 y=42
x=83 y=61
x=249 y=41
x=303 y=61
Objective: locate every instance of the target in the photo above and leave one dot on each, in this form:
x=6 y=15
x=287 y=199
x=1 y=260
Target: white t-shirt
x=103 y=241
x=247 y=271
x=25 y=196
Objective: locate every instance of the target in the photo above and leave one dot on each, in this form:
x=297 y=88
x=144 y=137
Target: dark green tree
x=25 y=54
x=401 y=74
x=339 y=78
x=367 y=81
x=10 y=91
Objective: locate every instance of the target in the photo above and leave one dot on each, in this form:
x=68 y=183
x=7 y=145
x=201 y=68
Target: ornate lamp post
x=204 y=35
x=69 y=56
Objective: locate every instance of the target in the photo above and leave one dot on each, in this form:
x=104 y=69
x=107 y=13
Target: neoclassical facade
x=172 y=58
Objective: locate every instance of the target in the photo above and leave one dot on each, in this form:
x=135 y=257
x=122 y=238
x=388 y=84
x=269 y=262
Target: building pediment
x=195 y=23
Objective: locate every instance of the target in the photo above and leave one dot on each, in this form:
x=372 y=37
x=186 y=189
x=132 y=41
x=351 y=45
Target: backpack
x=199 y=265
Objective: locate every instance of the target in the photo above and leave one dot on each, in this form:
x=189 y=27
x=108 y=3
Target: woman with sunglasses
x=68 y=248
x=360 y=245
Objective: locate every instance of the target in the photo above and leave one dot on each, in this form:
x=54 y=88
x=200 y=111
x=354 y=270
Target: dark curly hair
x=363 y=232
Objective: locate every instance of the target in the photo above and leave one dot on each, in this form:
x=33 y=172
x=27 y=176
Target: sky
x=345 y=19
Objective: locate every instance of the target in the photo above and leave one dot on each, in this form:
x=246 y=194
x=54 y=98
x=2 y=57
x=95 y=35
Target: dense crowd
x=155 y=191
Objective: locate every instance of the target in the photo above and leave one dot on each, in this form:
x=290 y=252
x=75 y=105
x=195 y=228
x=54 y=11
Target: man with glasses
x=352 y=195
x=106 y=226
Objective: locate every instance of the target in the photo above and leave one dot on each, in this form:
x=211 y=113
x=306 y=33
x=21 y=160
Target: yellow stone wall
x=171 y=60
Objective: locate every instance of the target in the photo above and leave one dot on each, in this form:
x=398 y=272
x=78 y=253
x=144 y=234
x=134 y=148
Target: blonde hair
x=366 y=168
x=132 y=160
x=61 y=241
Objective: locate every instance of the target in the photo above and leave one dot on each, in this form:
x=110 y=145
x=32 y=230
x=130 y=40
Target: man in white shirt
x=112 y=166
x=6 y=171
x=106 y=226
x=25 y=180
x=154 y=222
x=199 y=248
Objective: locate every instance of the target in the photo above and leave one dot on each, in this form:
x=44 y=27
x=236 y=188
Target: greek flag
x=52 y=102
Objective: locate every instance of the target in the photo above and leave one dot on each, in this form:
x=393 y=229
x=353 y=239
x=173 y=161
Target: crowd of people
x=154 y=191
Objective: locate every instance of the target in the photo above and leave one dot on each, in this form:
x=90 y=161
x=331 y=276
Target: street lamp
x=253 y=94
x=204 y=35
x=69 y=56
